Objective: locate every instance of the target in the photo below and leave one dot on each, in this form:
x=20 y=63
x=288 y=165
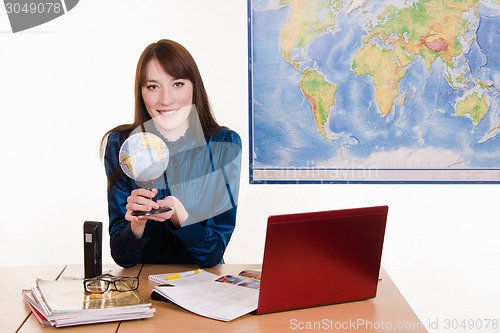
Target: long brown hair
x=179 y=64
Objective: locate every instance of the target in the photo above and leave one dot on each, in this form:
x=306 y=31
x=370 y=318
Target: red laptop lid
x=320 y=258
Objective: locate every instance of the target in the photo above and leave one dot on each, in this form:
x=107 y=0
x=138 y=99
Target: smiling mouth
x=166 y=112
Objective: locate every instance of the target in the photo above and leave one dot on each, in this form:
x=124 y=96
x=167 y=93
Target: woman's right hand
x=140 y=199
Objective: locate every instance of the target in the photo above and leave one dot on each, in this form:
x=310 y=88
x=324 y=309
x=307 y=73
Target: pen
x=183 y=274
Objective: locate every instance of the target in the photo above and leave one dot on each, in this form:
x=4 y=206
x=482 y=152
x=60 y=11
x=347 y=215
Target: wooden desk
x=13 y=279
x=32 y=325
x=388 y=312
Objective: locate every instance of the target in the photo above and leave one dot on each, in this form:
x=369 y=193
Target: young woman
x=201 y=182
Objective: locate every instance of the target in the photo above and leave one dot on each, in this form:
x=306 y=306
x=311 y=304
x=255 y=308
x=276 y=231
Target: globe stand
x=160 y=210
x=144 y=157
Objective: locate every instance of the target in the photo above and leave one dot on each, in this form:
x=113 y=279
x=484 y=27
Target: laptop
x=320 y=258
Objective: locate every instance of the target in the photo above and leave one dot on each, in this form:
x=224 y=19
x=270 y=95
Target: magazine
x=64 y=303
x=223 y=298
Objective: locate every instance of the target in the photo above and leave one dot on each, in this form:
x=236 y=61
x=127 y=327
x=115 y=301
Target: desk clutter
x=69 y=302
x=72 y=301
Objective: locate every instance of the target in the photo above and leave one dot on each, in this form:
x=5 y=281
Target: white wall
x=63 y=84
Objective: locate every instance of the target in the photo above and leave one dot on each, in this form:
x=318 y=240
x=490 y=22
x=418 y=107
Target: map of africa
x=371 y=90
x=144 y=157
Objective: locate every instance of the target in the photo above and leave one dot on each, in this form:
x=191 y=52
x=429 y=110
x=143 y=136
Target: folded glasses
x=101 y=284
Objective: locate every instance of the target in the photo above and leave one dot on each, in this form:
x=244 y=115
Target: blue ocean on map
x=284 y=133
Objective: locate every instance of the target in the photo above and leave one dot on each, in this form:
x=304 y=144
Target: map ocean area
x=358 y=81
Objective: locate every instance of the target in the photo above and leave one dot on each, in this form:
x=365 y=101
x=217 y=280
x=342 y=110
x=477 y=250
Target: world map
x=370 y=90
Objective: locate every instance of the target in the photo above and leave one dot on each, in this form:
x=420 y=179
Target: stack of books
x=65 y=303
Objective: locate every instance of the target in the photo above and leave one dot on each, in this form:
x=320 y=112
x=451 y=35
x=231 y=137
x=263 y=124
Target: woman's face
x=168 y=100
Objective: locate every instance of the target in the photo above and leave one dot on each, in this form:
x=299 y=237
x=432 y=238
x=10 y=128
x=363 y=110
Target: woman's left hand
x=178 y=215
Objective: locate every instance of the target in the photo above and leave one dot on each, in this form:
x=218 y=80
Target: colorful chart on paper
x=374 y=91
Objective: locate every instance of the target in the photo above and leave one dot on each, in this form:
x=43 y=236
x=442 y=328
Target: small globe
x=144 y=157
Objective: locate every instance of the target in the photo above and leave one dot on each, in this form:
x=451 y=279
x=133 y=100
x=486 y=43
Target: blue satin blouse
x=204 y=178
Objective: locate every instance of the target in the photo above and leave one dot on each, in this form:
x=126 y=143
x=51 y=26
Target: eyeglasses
x=101 y=284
